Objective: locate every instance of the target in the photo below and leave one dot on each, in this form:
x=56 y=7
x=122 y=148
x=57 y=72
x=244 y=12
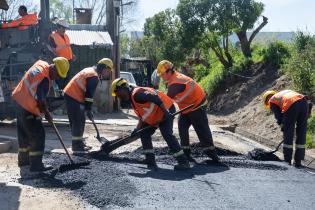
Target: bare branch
x=256 y=31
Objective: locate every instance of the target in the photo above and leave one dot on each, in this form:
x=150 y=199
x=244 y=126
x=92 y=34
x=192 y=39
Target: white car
x=129 y=77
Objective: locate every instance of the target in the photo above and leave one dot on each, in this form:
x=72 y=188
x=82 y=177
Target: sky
x=284 y=15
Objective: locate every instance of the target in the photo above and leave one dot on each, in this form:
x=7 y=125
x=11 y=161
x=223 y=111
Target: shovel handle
x=98 y=137
x=61 y=141
x=128 y=139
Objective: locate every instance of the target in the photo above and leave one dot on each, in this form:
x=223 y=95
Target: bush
x=213 y=80
x=200 y=71
x=301 y=67
x=277 y=53
x=310 y=132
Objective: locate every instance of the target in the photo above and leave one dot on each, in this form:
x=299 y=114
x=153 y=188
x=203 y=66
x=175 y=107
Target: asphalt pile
x=102 y=183
x=108 y=181
x=262 y=155
x=228 y=158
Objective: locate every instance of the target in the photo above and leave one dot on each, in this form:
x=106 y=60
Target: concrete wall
x=103 y=100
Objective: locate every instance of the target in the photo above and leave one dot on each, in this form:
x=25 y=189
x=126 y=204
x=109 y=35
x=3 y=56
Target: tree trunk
x=245 y=44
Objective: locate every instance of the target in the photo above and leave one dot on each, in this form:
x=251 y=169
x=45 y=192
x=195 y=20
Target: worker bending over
x=22 y=23
x=153 y=108
x=78 y=95
x=290 y=110
x=185 y=91
x=30 y=96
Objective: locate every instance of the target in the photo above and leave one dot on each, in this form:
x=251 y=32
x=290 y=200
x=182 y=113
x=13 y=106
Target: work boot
x=183 y=163
x=288 y=161
x=298 y=164
x=80 y=147
x=213 y=155
x=23 y=159
x=150 y=161
x=188 y=155
x=37 y=165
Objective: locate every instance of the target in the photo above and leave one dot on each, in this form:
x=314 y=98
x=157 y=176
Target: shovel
x=102 y=140
x=67 y=167
x=110 y=146
x=263 y=155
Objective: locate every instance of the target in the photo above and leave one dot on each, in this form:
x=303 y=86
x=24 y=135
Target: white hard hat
x=63 y=23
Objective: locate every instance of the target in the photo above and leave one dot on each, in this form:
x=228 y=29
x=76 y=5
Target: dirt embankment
x=238 y=102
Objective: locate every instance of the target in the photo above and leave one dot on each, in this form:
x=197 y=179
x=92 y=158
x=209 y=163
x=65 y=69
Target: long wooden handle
x=131 y=138
x=62 y=142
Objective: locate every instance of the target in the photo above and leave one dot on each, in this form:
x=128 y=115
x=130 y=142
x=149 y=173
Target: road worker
x=155 y=79
x=185 y=91
x=30 y=96
x=60 y=42
x=153 y=108
x=78 y=95
x=59 y=45
x=22 y=23
x=291 y=110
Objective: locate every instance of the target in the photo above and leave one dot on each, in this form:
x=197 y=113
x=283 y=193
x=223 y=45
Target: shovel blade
x=72 y=166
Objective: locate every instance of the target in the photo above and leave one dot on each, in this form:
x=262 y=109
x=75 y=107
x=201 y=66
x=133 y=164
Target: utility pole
x=113 y=27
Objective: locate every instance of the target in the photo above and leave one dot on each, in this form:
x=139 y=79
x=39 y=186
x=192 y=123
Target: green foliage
x=310 y=132
x=277 y=53
x=301 y=66
x=162 y=32
x=302 y=41
x=60 y=9
x=200 y=71
x=213 y=80
x=124 y=42
x=220 y=18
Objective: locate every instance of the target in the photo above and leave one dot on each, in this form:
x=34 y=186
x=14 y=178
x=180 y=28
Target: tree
x=162 y=30
x=216 y=20
x=60 y=9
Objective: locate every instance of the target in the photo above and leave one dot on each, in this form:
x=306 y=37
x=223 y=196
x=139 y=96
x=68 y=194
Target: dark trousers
x=296 y=115
x=76 y=115
x=199 y=120
x=166 y=128
x=31 y=133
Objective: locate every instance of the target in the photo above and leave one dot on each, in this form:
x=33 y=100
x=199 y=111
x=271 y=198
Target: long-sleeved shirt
x=142 y=97
x=42 y=89
x=91 y=84
x=175 y=89
x=277 y=112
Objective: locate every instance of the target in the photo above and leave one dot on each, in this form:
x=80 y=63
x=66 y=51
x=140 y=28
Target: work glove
x=90 y=115
x=167 y=115
x=48 y=117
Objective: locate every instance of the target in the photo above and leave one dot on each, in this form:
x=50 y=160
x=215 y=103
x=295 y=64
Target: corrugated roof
x=88 y=27
x=4 y=5
x=90 y=38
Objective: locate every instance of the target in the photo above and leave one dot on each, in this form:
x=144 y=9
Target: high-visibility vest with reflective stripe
x=63 y=47
x=25 y=92
x=284 y=99
x=76 y=88
x=23 y=22
x=193 y=93
x=150 y=112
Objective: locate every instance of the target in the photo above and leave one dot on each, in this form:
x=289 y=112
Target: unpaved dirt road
x=122 y=181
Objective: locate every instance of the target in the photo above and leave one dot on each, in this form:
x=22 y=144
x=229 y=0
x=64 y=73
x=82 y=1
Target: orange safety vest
x=193 y=93
x=63 y=47
x=23 y=22
x=76 y=88
x=25 y=92
x=284 y=99
x=149 y=112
